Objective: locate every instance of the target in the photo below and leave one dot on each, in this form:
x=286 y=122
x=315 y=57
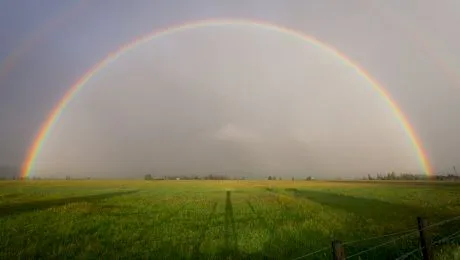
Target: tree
x=269 y=178
x=392 y=175
x=148 y=177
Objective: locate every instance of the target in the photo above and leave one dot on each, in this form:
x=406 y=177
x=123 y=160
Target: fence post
x=338 y=253
x=425 y=240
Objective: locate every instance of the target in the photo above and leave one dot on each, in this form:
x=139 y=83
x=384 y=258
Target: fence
x=339 y=249
x=425 y=248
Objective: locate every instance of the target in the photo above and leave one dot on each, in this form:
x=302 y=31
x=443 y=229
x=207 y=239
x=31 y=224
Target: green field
x=107 y=219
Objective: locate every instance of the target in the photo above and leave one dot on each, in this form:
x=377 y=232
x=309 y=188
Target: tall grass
x=95 y=219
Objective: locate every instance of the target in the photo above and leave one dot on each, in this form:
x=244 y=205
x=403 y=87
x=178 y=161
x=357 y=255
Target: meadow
x=196 y=219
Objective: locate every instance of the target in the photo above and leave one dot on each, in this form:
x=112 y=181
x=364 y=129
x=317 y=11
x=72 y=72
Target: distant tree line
x=274 y=178
x=194 y=177
x=410 y=176
x=379 y=176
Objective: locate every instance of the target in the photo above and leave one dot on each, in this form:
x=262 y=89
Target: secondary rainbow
x=55 y=114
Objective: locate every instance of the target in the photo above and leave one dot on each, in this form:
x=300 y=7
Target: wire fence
x=452 y=237
x=395 y=237
x=448 y=238
x=391 y=238
x=357 y=241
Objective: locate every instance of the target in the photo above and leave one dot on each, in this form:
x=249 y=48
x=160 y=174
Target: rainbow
x=56 y=113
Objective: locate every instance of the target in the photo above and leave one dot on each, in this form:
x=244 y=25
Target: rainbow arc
x=58 y=110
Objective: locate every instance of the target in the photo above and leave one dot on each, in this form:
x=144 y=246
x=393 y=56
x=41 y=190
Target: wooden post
x=425 y=240
x=338 y=253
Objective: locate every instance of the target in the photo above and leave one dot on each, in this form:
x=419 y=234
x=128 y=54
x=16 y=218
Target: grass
x=95 y=219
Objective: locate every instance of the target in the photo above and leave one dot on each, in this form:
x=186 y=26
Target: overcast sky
x=239 y=99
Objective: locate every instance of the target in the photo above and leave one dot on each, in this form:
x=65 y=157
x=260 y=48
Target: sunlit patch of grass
x=196 y=219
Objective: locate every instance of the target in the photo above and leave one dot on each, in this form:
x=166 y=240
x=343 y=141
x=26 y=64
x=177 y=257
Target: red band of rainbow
x=55 y=114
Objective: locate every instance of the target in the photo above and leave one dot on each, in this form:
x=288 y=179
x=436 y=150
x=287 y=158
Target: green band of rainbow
x=55 y=114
